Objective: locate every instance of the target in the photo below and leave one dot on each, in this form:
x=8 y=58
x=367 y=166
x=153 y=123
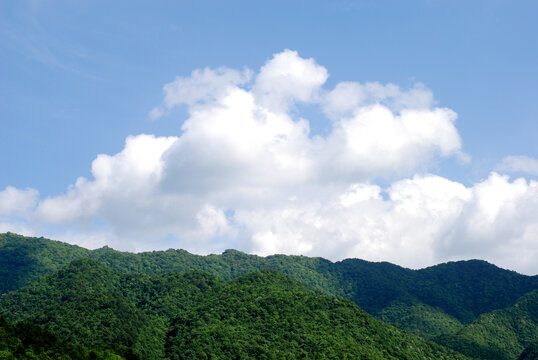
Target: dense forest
x=169 y=304
x=196 y=316
x=30 y=341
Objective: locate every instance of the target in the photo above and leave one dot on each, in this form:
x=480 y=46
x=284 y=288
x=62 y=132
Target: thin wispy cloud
x=28 y=37
x=519 y=163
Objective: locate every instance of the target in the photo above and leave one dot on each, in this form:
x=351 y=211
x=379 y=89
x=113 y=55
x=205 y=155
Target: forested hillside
x=28 y=341
x=87 y=302
x=196 y=316
x=266 y=315
x=463 y=289
x=500 y=334
x=530 y=352
x=130 y=299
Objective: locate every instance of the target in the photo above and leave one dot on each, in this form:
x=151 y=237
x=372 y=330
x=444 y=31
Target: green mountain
x=500 y=334
x=88 y=303
x=420 y=319
x=266 y=315
x=448 y=303
x=25 y=259
x=28 y=341
x=196 y=316
x=463 y=289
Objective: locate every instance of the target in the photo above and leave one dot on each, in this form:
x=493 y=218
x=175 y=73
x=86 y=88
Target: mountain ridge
x=439 y=303
x=194 y=315
x=463 y=289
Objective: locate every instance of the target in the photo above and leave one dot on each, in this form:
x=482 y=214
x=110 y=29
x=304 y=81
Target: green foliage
x=87 y=302
x=266 y=315
x=420 y=319
x=30 y=341
x=26 y=259
x=463 y=289
x=466 y=289
x=196 y=315
x=501 y=334
x=530 y=352
x=137 y=295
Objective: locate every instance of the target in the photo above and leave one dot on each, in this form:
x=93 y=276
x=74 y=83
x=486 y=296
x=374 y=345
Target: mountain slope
x=30 y=341
x=87 y=302
x=530 y=352
x=420 y=319
x=26 y=259
x=259 y=315
x=501 y=334
x=463 y=289
x=435 y=302
x=266 y=315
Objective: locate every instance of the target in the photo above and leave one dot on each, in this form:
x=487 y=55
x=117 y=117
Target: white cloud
x=16 y=228
x=203 y=85
x=246 y=172
x=498 y=223
x=17 y=202
x=120 y=182
x=378 y=142
x=288 y=78
x=519 y=164
x=348 y=96
x=425 y=220
x=237 y=144
x=359 y=222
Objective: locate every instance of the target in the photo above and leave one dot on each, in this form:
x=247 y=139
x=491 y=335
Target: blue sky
x=78 y=78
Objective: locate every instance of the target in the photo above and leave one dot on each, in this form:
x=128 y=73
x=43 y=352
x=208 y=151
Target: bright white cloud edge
x=246 y=173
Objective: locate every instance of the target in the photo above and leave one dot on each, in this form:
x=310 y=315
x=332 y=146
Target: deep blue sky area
x=77 y=77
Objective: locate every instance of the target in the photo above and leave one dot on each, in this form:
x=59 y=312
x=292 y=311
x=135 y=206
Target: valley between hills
x=61 y=301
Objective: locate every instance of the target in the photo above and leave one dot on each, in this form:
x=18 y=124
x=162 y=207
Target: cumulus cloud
x=16 y=208
x=360 y=222
x=288 y=78
x=14 y=201
x=519 y=164
x=376 y=141
x=203 y=85
x=347 y=96
x=122 y=184
x=498 y=223
x=247 y=172
x=419 y=222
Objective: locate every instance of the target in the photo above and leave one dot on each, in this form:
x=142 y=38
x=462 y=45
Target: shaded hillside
x=462 y=289
x=501 y=334
x=26 y=259
x=31 y=342
x=530 y=352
